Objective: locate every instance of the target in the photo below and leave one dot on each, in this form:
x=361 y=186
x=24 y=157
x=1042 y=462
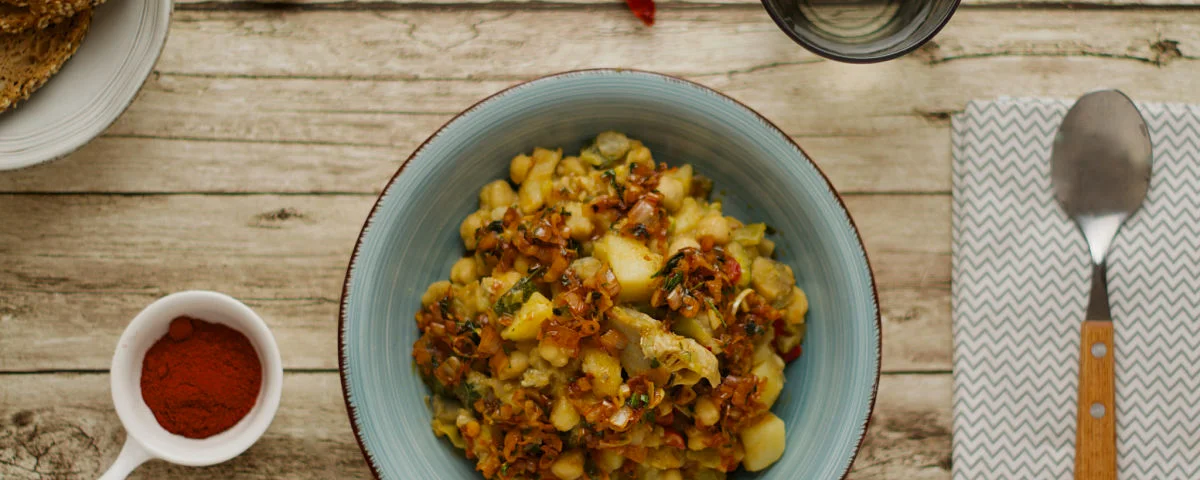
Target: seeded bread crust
x=20 y=15
x=29 y=58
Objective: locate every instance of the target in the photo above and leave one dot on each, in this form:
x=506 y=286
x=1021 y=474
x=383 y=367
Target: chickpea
x=539 y=180
x=521 y=264
x=571 y=166
x=553 y=354
x=609 y=460
x=435 y=292
x=496 y=194
x=681 y=243
x=470 y=225
x=671 y=475
x=464 y=271
x=519 y=168
x=568 y=466
x=518 y=361
x=715 y=227
x=533 y=194
x=639 y=154
x=507 y=280
x=581 y=227
x=706 y=411
x=586 y=267
x=563 y=415
x=672 y=192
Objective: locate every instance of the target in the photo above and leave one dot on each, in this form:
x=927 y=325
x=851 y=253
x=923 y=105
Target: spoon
x=1100 y=170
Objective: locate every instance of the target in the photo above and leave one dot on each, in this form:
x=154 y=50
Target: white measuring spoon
x=145 y=439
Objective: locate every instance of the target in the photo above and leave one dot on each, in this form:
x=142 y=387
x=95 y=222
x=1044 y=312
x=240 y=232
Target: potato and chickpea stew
x=609 y=322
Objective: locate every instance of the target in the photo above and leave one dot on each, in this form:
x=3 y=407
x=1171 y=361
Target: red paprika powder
x=200 y=378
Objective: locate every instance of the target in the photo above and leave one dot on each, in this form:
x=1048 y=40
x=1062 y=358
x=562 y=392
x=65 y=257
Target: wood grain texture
x=333 y=101
x=62 y=426
x=496 y=44
x=69 y=286
x=1096 y=437
x=254 y=151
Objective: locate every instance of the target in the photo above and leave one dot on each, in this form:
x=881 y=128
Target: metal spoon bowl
x=1100 y=169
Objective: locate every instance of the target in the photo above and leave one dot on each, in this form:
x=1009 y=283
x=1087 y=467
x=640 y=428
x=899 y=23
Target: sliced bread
x=21 y=15
x=29 y=58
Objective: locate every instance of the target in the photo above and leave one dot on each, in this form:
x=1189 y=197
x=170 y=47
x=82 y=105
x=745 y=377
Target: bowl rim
x=781 y=22
x=352 y=411
x=65 y=149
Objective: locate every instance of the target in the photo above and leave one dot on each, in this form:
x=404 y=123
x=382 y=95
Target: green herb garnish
x=638 y=400
x=466 y=393
x=673 y=281
x=670 y=265
x=654 y=363
x=715 y=311
x=516 y=296
x=612 y=180
x=496 y=226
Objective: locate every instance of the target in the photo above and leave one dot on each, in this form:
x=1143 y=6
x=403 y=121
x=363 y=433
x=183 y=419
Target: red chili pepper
x=792 y=354
x=735 y=271
x=643 y=9
x=673 y=439
x=778 y=328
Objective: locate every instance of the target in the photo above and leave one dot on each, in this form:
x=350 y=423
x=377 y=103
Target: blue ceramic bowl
x=411 y=239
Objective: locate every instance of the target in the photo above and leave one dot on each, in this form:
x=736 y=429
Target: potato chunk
x=764 y=443
x=605 y=370
x=633 y=264
x=772 y=372
x=528 y=321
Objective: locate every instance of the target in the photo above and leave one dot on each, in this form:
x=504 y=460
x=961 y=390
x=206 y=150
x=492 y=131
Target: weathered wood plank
x=131 y=164
x=302 y=108
x=499 y=43
x=75 y=268
x=323 y=135
x=910 y=431
x=63 y=426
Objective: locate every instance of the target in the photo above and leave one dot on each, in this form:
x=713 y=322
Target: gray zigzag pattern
x=1020 y=281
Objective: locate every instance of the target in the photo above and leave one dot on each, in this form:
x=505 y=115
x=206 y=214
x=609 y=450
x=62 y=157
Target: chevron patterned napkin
x=1020 y=286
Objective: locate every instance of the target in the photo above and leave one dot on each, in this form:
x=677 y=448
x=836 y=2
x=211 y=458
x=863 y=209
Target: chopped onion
x=621 y=419
x=737 y=302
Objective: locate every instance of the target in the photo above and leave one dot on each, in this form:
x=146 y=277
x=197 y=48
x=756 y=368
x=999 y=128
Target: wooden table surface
x=257 y=146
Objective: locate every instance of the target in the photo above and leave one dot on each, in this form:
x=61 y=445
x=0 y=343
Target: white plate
x=92 y=88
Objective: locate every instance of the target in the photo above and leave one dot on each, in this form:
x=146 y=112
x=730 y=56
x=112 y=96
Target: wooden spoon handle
x=1096 y=424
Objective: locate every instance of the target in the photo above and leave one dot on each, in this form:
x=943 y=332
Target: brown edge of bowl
x=351 y=410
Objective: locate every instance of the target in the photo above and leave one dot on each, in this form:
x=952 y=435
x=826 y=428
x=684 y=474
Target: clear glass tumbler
x=861 y=31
